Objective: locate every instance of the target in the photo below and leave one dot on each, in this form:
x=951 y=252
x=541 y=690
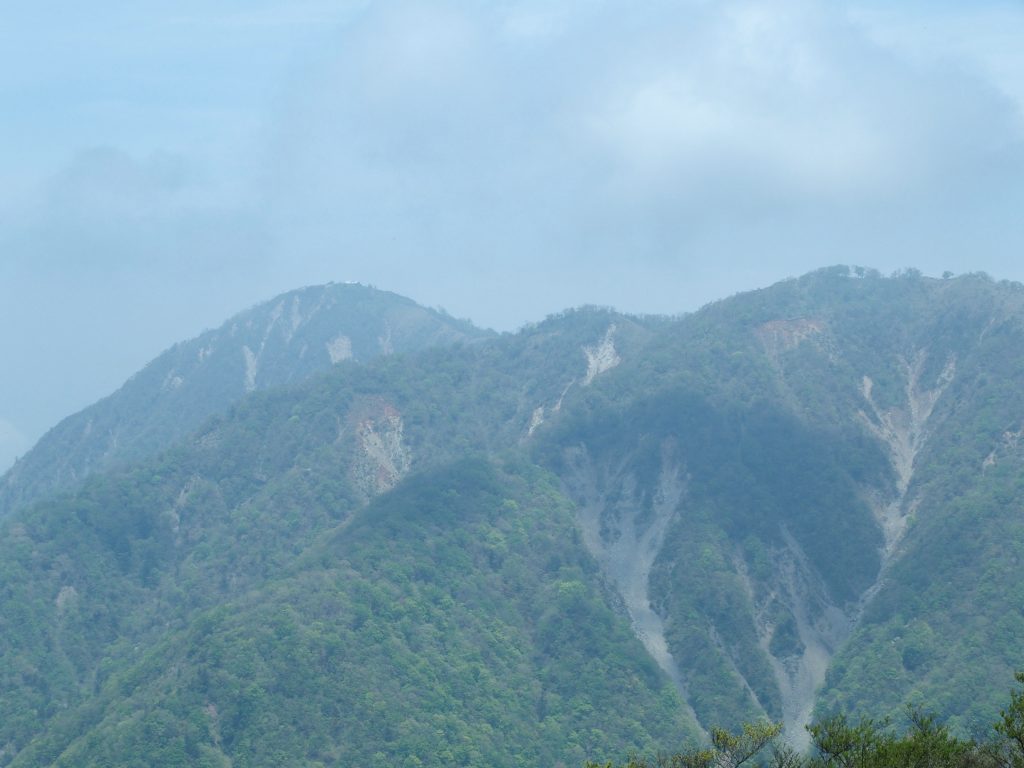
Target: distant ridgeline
x=281 y=342
x=347 y=530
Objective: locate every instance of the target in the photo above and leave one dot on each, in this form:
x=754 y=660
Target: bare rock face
x=625 y=542
x=783 y=335
x=382 y=459
x=798 y=592
x=904 y=431
x=536 y=419
x=339 y=348
x=601 y=357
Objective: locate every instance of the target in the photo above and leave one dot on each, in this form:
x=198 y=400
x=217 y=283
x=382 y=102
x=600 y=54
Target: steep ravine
x=624 y=522
x=821 y=627
x=625 y=538
x=904 y=432
x=823 y=624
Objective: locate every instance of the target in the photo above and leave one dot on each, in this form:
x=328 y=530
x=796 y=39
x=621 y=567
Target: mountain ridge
x=274 y=343
x=782 y=505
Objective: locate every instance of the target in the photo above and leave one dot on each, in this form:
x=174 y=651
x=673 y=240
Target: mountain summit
x=279 y=342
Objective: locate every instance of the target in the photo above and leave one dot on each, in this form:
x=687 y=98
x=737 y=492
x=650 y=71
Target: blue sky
x=163 y=166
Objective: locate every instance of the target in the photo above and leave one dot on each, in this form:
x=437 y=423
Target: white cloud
x=108 y=210
x=795 y=97
x=665 y=134
x=502 y=159
x=983 y=37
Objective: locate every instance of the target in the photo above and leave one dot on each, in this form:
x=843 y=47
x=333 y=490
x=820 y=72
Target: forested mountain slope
x=107 y=587
x=826 y=466
x=599 y=534
x=282 y=341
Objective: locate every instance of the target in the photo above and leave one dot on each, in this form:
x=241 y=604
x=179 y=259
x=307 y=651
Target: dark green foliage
x=838 y=743
x=1009 y=749
x=952 y=609
x=447 y=624
x=263 y=593
x=727 y=750
x=756 y=475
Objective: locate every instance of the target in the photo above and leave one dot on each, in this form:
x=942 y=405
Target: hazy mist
x=163 y=168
